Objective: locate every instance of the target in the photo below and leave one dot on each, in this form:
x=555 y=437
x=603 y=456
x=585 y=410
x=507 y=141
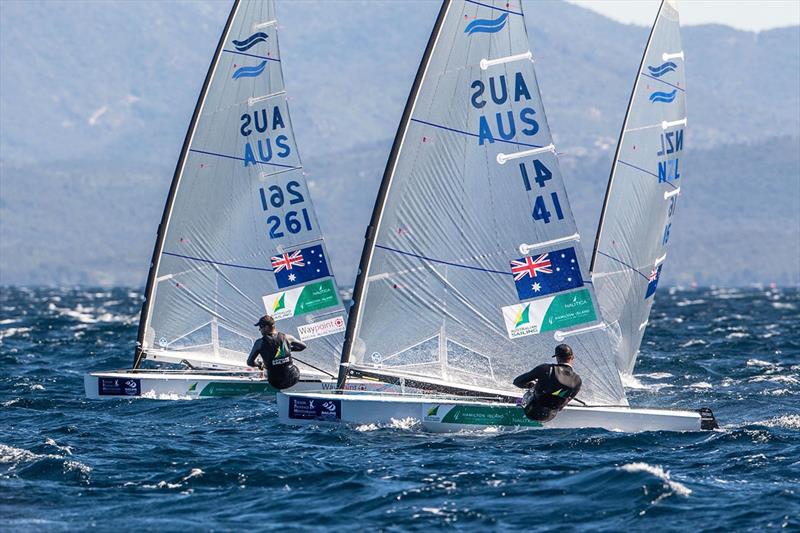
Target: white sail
x=643 y=190
x=239 y=237
x=473 y=271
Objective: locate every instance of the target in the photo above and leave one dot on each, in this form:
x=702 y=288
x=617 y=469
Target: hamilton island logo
x=662 y=69
x=660 y=96
x=486 y=25
x=250 y=42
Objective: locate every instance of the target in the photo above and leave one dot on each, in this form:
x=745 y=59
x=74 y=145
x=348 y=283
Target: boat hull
x=451 y=414
x=190 y=385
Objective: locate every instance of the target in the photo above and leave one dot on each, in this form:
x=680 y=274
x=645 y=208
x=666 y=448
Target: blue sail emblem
x=250 y=72
x=662 y=69
x=250 y=42
x=659 y=96
x=486 y=25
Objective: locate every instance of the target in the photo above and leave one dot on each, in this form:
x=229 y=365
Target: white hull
x=452 y=414
x=197 y=384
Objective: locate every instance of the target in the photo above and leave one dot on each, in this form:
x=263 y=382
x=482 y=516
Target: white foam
x=693 y=342
x=657 y=375
x=785 y=421
x=701 y=385
x=675 y=487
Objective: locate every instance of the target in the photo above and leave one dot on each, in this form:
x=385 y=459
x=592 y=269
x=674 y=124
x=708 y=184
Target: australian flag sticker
x=652 y=282
x=300 y=266
x=548 y=273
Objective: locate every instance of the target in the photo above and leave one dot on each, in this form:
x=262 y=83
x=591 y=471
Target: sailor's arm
x=251 y=359
x=526 y=380
x=295 y=345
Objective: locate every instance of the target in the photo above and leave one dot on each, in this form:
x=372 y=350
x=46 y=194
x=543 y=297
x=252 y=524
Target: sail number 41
x=542 y=175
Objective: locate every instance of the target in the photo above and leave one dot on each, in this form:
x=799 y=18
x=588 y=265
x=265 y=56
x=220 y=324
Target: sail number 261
x=292 y=221
x=541 y=174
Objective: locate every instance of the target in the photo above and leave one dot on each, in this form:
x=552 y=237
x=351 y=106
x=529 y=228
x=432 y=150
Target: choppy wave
x=225 y=463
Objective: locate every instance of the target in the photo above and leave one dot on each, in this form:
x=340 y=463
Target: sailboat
x=239 y=238
x=472 y=269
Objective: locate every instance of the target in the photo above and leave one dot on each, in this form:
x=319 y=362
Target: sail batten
x=240 y=237
x=474 y=176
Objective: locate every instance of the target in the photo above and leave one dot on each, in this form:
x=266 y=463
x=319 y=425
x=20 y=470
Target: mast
x=377 y=211
x=619 y=142
x=176 y=177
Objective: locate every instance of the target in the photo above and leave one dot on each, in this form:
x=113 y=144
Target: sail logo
x=250 y=72
x=523 y=316
x=548 y=273
x=652 y=282
x=661 y=96
x=662 y=69
x=549 y=314
x=486 y=25
x=250 y=42
x=301 y=300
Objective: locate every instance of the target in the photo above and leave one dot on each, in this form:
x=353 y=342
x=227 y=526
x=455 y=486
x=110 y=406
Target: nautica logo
x=659 y=96
x=662 y=69
x=250 y=72
x=250 y=42
x=486 y=25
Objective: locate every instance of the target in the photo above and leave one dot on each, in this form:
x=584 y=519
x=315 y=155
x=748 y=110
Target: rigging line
x=312 y=366
x=493 y=7
x=623 y=263
x=216 y=262
x=646 y=172
x=662 y=81
x=252 y=55
x=242 y=159
x=471 y=134
x=448 y=263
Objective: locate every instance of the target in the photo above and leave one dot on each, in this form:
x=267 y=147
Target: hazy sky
x=754 y=15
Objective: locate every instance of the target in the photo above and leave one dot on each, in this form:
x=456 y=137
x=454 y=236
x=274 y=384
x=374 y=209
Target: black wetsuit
x=556 y=385
x=276 y=352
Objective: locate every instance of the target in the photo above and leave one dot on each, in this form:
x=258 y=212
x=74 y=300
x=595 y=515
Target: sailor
x=554 y=385
x=273 y=353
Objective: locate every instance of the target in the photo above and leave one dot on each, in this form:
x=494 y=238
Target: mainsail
x=472 y=270
x=643 y=188
x=239 y=236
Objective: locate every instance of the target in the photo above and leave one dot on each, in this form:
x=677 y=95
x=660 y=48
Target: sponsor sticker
x=301 y=300
x=119 y=387
x=477 y=415
x=314 y=409
x=321 y=329
x=548 y=314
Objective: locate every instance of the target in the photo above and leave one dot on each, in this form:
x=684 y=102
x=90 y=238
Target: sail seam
x=662 y=81
x=493 y=7
x=220 y=263
x=623 y=263
x=252 y=55
x=645 y=171
x=471 y=134
x=242 y=159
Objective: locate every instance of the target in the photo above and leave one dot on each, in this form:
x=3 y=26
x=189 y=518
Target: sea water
x=71 y=463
